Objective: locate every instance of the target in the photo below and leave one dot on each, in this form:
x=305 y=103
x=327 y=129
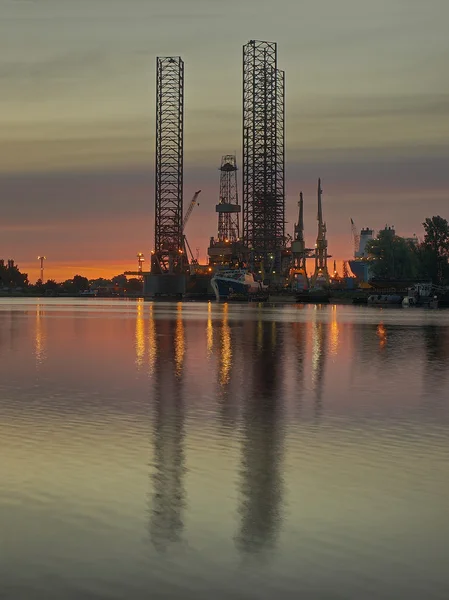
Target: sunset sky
x=367 y=110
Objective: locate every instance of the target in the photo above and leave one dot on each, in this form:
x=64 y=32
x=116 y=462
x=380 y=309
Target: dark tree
x=434 y=250
x=80 y=283
x=134 y=285
x=393 y=257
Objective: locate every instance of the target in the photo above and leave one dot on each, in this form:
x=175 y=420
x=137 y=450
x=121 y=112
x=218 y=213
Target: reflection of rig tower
x=261 y=483
x=227 y=249
x=263 y=154
x=168 y=256
x=321 y=274
x=168 y=494
x=228 y=208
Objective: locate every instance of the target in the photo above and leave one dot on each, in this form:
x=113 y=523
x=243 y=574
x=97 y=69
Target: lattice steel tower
x=168 y=252
x=263 y=152
x=228 y=207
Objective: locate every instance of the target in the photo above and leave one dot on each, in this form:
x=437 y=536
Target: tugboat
x=422 y=294
x=235 y=283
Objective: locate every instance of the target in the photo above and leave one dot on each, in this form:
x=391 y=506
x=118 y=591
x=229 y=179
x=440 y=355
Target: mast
x=321 y=274
x=299 y=228
x=299 y=251
x=320 y=208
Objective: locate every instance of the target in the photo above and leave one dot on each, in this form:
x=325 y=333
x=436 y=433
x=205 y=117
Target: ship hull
x=313 y=297
x=235 y=284
x=225 y=289
x=360 y=269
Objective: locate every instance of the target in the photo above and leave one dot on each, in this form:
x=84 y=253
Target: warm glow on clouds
x=367 y=110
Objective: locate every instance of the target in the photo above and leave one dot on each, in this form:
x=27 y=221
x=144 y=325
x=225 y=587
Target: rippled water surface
x=202 y=451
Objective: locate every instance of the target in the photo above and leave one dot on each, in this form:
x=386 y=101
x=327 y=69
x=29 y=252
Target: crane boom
x=189 y=210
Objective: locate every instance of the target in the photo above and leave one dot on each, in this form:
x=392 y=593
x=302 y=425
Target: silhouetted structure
x=263 y=154
x=321 y=274
x=298 y=270
x=168 y=499
x=168 y=252
x=228 y=207
x=261 y=480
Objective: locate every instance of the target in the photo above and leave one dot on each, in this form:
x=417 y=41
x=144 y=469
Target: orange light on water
x=382 y=334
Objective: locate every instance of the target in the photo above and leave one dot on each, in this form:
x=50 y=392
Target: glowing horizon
x=367 y=107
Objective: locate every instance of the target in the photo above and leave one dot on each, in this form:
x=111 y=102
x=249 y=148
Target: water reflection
x=225 y=349
x=299 y=353
x=169 y=497
x=319 y=354
x=39 y=337
x=334 y=327
x=436 y=344
x=261 y=484
x=269 y=506
x=382 y=335
x=180 y=347
x=226 y=357
x=140 y=334
x=152 y=347
x=209 y=331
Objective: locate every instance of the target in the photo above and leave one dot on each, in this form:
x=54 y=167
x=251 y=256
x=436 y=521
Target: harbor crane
x=192 y=204
x=193 y=261
x=321 y=274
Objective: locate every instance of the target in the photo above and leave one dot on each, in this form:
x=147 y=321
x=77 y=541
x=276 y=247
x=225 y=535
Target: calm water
x=211 y=451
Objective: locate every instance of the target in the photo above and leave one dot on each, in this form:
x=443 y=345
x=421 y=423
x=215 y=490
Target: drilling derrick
x=263 y=154
x=168 y=255
x=228 y=207
x=227 y=249
x=321 y=274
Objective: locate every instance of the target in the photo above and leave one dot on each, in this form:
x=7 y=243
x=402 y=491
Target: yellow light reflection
x=179 y=341
x=315 y=351
x=140 y=335
x=210 y=330
x=382 y=335
x=334 y=331
x=225 y=349
x=317 y=348
x=39 y=338
x=152 y=342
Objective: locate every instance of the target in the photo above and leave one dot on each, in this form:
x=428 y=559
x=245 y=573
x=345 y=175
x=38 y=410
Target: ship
x=235 y=283
x=360 y=265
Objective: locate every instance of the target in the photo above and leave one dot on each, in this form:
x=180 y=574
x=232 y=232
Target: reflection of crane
x=193 y=260
x=355 y=237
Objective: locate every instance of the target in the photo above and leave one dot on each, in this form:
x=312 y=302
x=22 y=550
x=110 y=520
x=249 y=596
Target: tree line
x=13 y=280
x=396 y=258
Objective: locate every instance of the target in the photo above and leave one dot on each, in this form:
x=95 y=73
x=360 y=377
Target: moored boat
x=233 y=283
